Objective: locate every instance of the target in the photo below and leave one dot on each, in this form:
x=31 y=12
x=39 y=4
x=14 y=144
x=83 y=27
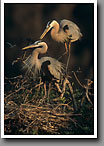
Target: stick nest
x=26 y=114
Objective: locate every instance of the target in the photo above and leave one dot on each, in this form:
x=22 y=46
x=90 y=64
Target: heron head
x=34 y=45
x=49 y=26
x=41 y=46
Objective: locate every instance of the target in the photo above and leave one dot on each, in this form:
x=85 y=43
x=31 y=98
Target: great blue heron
x=65 y=32
x=49 y=68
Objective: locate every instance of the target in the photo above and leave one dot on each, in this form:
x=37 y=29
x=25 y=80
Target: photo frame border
x=95 y=69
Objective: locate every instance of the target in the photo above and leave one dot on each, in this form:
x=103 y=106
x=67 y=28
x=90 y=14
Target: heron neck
x=55 y=32
x=35 y=59
x=35 y=55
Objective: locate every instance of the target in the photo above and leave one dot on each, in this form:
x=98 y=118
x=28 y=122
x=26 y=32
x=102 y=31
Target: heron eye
x=37 y=42
x=48 y=24
x=65 y=27
x=41 y=46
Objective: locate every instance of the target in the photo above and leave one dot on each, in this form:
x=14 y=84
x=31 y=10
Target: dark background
x=24 y=22
x=78 y=142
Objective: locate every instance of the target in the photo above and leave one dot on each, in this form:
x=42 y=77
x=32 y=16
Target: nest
x=25 y=112
x=45 y=118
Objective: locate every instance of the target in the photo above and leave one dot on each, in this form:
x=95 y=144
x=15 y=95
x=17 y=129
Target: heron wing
x=71 y=29
x=56 y=68
x=45 y=71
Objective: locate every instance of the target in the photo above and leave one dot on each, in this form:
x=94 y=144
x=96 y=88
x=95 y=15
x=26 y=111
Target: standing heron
x=65 y=32
x=49 y=68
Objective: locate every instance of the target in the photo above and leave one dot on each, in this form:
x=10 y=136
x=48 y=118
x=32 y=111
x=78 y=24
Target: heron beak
x=45 y=32
x=28 y=47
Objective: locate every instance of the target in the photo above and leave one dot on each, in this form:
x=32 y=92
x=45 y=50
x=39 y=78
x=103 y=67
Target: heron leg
x=66 y=47
x=62 y=55
x=59 y=90
x=49 y=89
x=68 y=58
x=63 y=89
x=38 y=89
x=45 y=90
x=42 y=101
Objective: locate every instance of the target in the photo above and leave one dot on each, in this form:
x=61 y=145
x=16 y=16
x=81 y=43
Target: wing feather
x=73 y=31
x=56 y=68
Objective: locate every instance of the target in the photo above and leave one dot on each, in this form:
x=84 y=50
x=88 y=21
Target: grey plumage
x=72 y=30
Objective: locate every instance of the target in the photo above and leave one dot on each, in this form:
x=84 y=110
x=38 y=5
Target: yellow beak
x=31 y=46
x=45 y=32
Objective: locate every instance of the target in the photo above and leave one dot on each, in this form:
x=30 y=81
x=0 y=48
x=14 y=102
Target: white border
x=2 y=69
